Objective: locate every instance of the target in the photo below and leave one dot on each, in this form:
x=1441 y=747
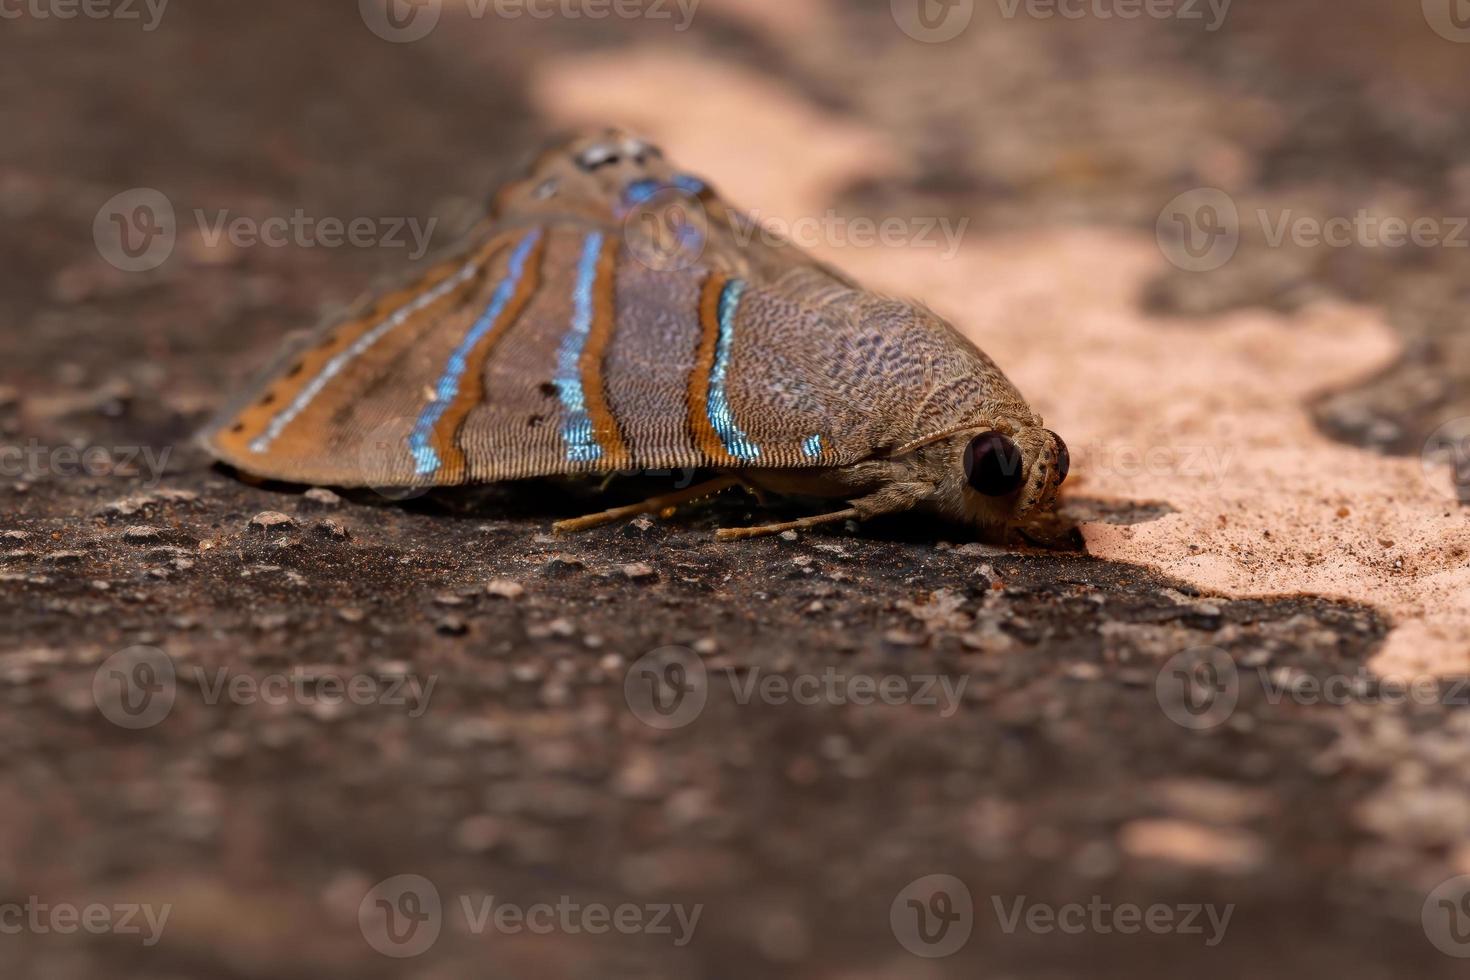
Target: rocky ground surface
x=1052 y=741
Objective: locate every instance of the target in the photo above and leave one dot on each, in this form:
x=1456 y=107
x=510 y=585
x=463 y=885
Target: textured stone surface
x=493 y=746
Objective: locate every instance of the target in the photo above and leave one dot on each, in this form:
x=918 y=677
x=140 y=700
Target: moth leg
x=650 y=506
x=736 y=533
x=890 y=500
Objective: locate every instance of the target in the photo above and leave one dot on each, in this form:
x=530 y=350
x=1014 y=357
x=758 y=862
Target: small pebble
x=505 y=588
x=322 y=497
x=639 y=571
x=452 y=626
x=269 y=519
x=560 y=565
x=638 y=527
x=328 y=528
x=142 y=534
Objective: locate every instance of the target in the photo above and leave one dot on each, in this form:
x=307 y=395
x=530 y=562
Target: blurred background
x=1173 y=162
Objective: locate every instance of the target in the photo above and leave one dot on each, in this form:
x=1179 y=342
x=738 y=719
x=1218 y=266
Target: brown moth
x=614 y=313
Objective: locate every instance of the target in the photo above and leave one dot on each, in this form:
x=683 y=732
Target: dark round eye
x=993 y=465
x=1064 y=458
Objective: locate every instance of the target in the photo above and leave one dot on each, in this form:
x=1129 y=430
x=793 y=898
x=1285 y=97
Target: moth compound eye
x=993 y=465
x=1064 y=458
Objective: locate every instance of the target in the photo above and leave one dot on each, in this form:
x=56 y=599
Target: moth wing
x=551 y=349
x=560 y=342
x=335 y=405
x=619 y=365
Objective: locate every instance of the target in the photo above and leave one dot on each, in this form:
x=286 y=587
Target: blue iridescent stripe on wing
x=577 y=429
x=721 y=418
x=420 y=440
x=336 y=365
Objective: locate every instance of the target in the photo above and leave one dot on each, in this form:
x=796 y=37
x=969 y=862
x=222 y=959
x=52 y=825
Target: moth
x=612 y=312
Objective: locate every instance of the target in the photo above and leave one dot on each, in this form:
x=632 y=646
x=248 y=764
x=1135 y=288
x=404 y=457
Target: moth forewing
x=615 y=315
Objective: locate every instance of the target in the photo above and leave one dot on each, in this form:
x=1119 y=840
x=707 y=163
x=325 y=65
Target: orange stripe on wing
x=706 y=439
x=282 y=391
x=453 y=466
x=604 y=322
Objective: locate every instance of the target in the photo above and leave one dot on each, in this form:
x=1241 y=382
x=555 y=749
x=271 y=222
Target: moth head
x=1003 y=475
x=585 y=172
